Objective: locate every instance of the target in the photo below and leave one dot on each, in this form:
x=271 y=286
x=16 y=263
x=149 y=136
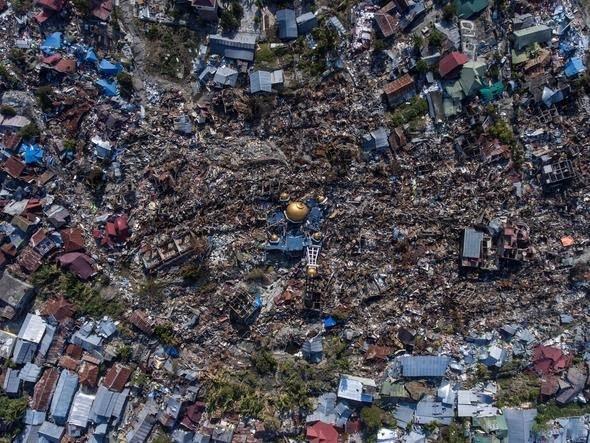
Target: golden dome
x=317 y=236
x=312 y=271
x=321 y=199
x=284 y=197
x=273 y=238
x=296 y=212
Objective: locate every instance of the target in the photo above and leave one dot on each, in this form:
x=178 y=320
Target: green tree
x=30 y=132
x=372 y=416
x=421 y=66
x=418 y=41
x=436 y=39
x=449 y=11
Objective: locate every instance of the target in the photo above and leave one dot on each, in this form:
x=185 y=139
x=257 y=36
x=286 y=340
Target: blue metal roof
x=287 y=24
x=51 y=431
x=11 y=381
x=520 y=423
x=574 y=67
x=64 y=393
x=51 y=43
x=424 y=365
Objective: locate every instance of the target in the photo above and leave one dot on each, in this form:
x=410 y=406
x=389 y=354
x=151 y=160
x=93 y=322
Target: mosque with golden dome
x=294 y=230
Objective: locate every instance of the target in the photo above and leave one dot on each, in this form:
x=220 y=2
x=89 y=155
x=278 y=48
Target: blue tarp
x=329 y=322
x=574 y=67
x=107 y=68
x=108 y=88
x=90 y=56
x=172 y=351
x=32 y=154
x=51 y=43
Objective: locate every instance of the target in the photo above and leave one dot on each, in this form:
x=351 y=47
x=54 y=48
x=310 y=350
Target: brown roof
x=68 y=362
x=73 y=239
x=378 y=352
x=88 y=374
x=14 y=167
x=30 y=260
x=43 y=390
x=116 y=377
x=386 y=23
x=60 y=309
x=90 y=359
x=11 y=141
x=74 y=351
x=399 y=85
x=140 y=320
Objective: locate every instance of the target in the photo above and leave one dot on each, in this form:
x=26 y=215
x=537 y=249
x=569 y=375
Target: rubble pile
x=267 y=221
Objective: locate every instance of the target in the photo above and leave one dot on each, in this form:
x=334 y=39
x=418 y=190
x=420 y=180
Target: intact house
x=400 y=90
x=357 y=389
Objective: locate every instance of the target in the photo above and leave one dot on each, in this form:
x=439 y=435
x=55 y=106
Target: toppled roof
x=79 y=264
x=58 y=308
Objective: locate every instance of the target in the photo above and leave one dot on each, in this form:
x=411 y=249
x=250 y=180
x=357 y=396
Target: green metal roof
x=528 y=36
x=468 y=8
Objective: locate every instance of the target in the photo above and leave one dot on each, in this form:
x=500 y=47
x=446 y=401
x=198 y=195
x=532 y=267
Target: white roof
x=80 y=409
x=32 y=329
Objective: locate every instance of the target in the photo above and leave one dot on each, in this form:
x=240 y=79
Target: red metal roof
x=549 y=360
x=399 y=85
x=322 y=433
x=14 y=167
x=66 y=66
x=53 y=5
x=60 y=309
x=450 y=62
x=73 y=240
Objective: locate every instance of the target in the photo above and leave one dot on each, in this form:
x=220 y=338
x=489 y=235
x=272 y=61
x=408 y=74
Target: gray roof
x=13 y=291
x=30 y=373
x=429 y=411
x=80 y=410
x=337 y=24
x=11 y=381
x=51 y=432
x=424 y=365
x=403 y=415
x=376 y=140
x=146 y=420
x=287 y=24
x=29 y=435
x=313 y=345
x=108 y=404
x=241 y=47
x=534 y=34
x=64 y=393
x=520 y=423
x=260 y=81
x=306 y=22
x=472 y=243
x=226 y=76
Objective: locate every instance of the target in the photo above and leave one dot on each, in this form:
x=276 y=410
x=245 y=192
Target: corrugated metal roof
x=64 y=393
x=51 y=431
x=520 y=423
x=424 y=365
x=35 y=418
x=7 y=341
x=80 y=409
x=260 y=81
x=472 y=243
x=30 y=373
x=145 y=424
x=32 y=329
x=24 y=351
x=287 y=24
x=11 y=381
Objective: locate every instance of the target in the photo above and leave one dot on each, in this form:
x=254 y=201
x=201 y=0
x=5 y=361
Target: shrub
x=125 y=84
x=449 y=11
x=436 y=39
x=264 y=362
x=7 y=111
x=166 y=335
x=43 y=94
